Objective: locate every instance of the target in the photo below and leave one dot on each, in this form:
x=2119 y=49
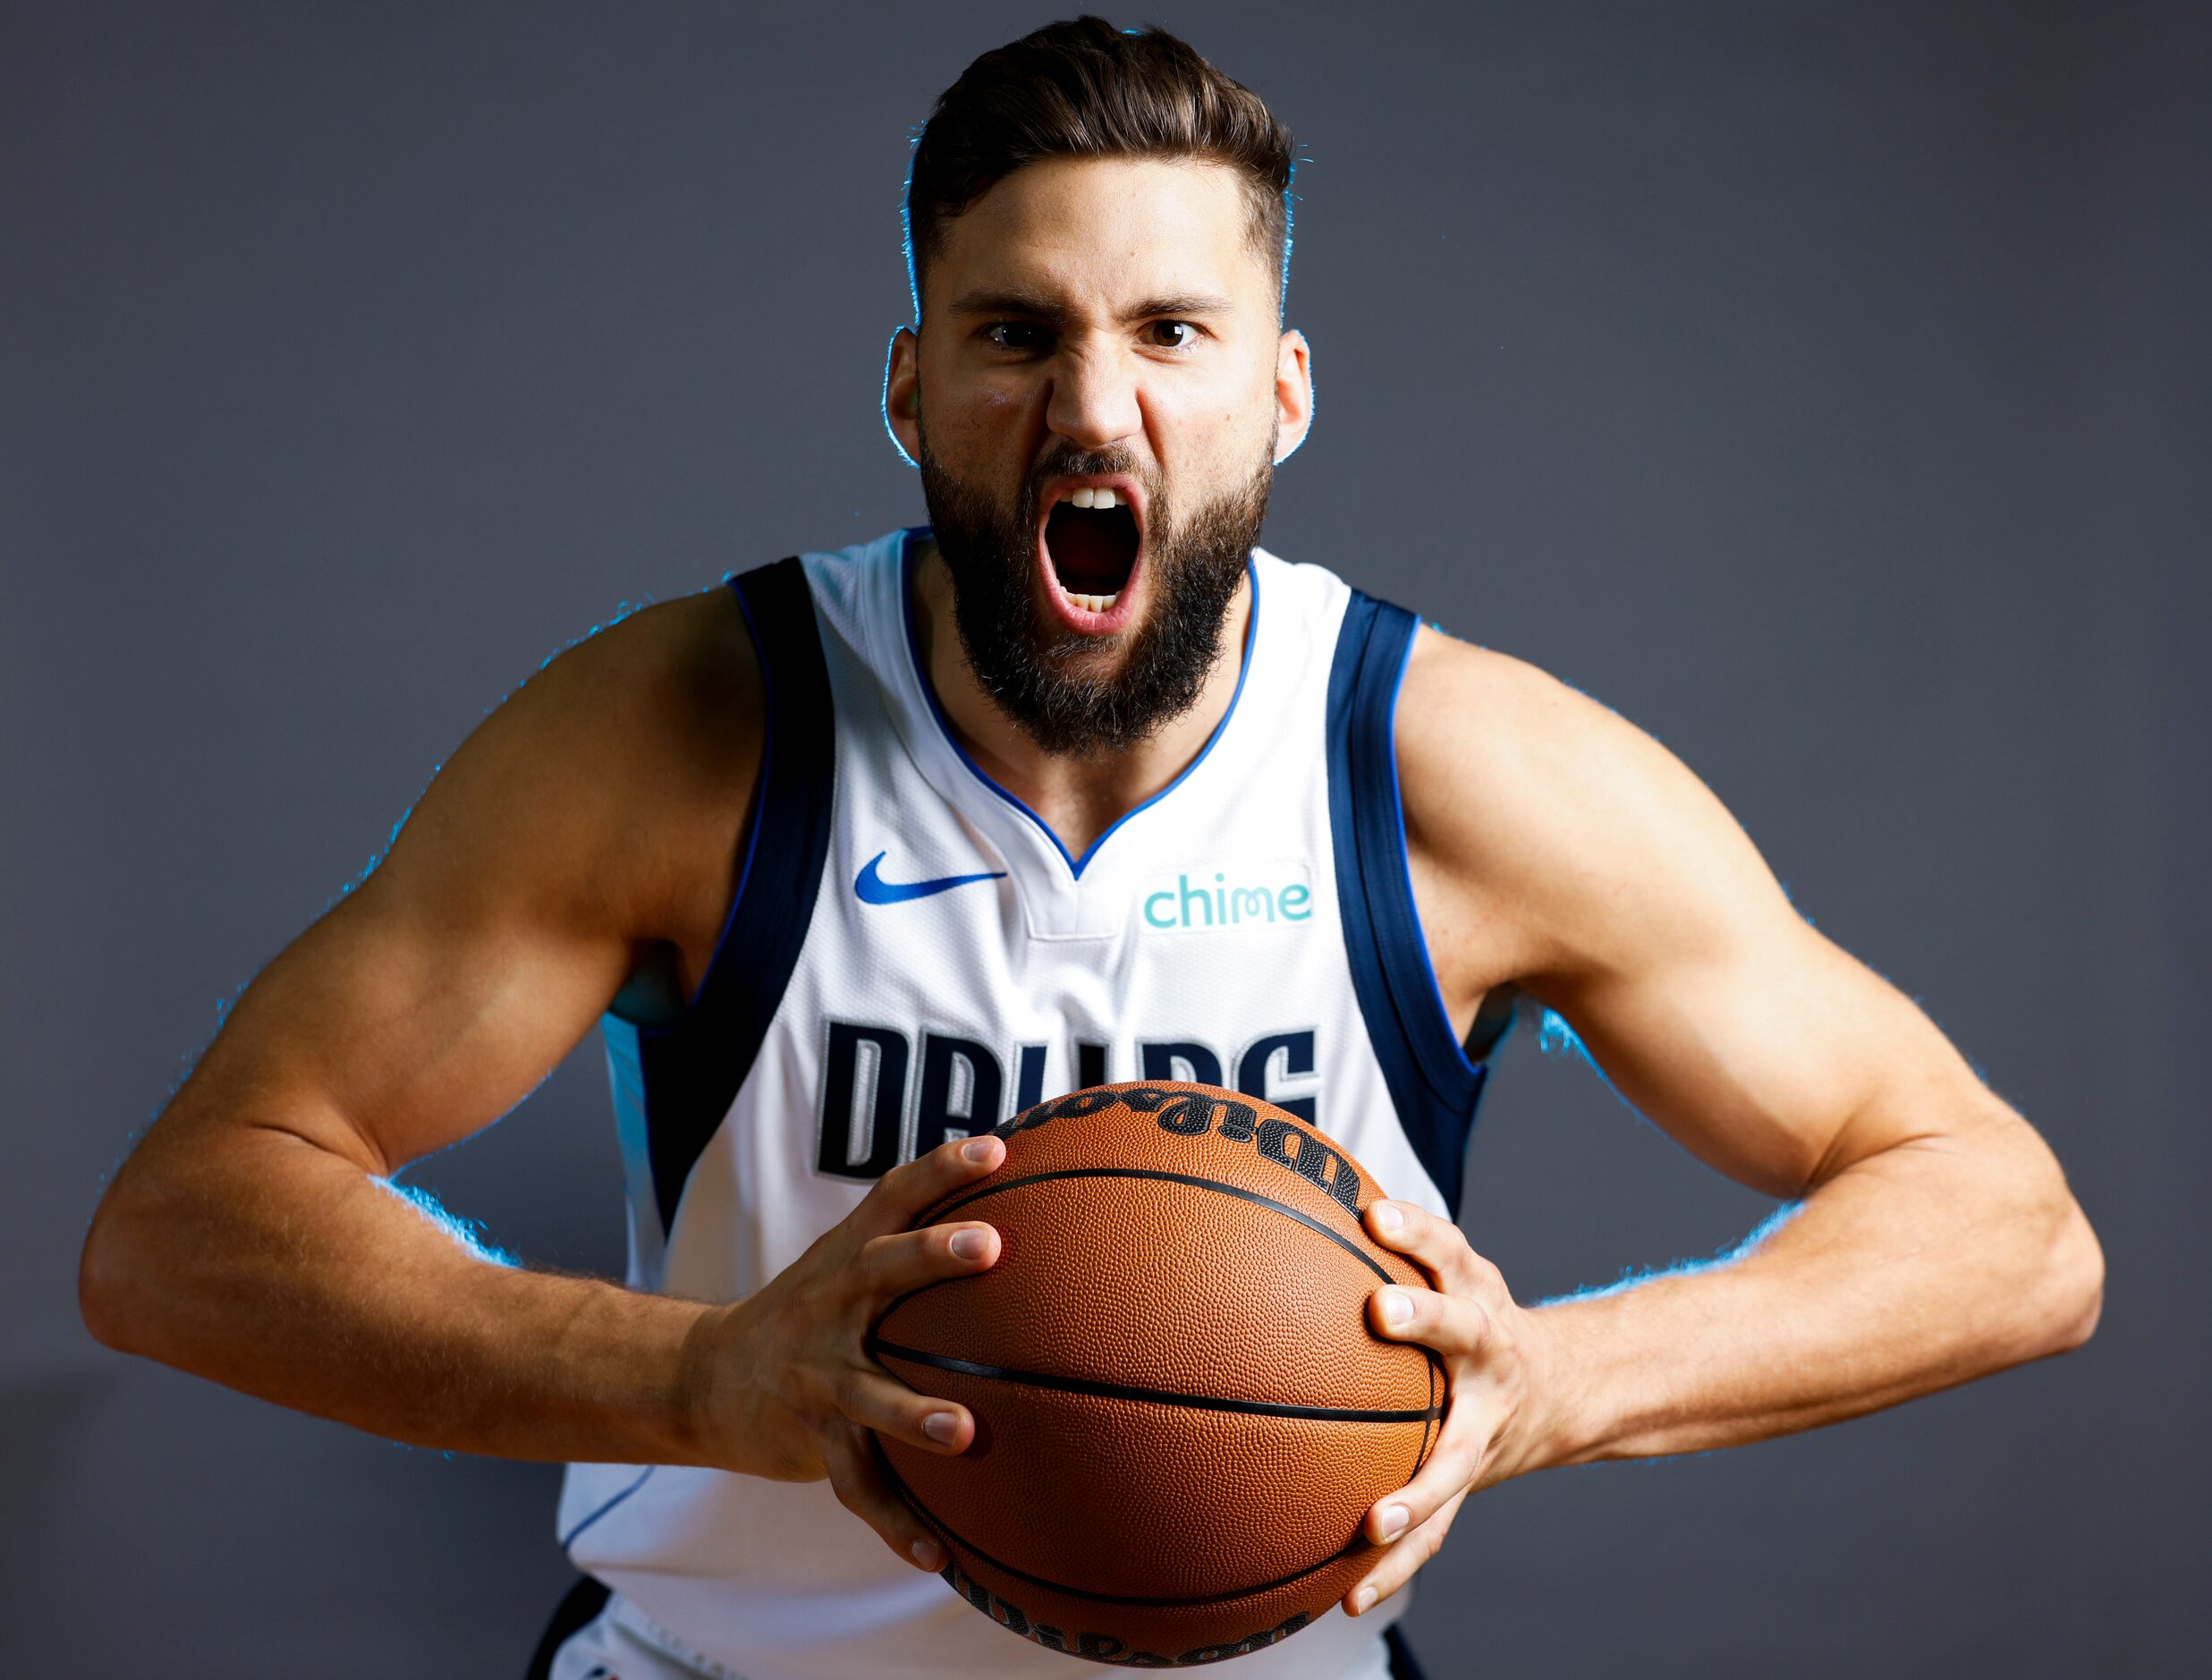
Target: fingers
x=859 y=1483
x=1438 y=1244
x=869 y=1396
x=904 y=1192
x=1471 y=1320
x=889 y=1267
x=1454 y=1327
x=1471 y=1424
x=1399 y=1564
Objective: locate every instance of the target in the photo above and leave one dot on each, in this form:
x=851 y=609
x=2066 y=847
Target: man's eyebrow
x=1002 y=304
x=1182 y=304
x=1038 y=305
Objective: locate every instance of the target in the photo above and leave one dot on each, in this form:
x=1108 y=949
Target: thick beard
x=1037 y=673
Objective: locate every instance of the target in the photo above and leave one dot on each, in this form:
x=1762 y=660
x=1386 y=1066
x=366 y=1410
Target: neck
x=1077 y=798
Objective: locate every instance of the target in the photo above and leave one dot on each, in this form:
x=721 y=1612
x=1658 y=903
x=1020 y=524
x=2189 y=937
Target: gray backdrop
x=1823 y=388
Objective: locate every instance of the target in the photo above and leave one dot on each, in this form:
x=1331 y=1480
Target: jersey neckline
x=909 y=541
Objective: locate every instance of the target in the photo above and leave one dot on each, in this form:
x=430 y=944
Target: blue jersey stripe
x=693 y=1067
x=1433 y=1085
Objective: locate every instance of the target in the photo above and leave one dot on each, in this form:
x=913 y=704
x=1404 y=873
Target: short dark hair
x=1083 y=89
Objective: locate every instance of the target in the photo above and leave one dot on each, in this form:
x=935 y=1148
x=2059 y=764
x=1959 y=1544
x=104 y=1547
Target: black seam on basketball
x=947 y=1532
x=1422 y=1458
x=878 y=1349
x=939 y=1214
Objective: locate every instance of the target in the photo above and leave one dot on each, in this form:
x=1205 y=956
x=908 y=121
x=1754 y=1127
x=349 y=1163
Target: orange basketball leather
x=1181 y=1415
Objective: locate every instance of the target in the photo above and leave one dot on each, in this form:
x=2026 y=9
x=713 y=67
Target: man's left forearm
x=1924 y=1265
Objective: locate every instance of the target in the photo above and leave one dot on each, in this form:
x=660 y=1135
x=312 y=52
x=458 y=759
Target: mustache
x=1079 y=463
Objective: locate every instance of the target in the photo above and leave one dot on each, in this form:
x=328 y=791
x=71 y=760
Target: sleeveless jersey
x=913 y=955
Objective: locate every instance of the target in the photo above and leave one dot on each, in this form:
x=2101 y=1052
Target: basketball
x=1182 y=1416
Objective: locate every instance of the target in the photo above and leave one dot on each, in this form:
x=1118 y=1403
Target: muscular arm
x=251 y=1238
x=1556 y=845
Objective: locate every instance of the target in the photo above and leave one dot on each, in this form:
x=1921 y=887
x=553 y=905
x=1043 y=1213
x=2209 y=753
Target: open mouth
x=1091 y=538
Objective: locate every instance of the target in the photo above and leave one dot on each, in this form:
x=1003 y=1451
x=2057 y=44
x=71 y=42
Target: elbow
x=2073 y=1283
x=99 y=1286
x=107 y=1274
x=2047 y=1287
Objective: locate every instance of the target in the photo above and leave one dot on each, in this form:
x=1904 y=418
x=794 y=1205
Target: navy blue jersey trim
x=583 y=1605
x=693 y=1067
x=921 y=674
x=1404 y=1665
x=1433 y=1085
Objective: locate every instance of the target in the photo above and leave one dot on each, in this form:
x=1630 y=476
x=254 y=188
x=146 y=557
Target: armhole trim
x=1433 y=1085
x=693 y=1067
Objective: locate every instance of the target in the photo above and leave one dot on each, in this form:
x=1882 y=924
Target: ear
x=901 y=393
x=1293 y=393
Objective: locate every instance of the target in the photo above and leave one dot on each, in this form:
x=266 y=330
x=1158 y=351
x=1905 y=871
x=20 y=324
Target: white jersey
x=914 y=956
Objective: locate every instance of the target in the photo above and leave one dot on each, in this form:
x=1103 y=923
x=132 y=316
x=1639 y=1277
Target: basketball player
x=858 y=856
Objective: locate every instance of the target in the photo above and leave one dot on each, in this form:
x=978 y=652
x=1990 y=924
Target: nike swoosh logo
x=874 y=889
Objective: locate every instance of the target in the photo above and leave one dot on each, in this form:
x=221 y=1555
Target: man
x=857 y=857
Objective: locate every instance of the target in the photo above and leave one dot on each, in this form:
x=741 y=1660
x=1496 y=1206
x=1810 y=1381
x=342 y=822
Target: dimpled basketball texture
x=1181 y=1415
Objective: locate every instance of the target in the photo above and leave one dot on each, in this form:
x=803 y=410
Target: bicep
x=507 y=915
x=412 y=1015
x=1647 y=919
x=1766 y=1050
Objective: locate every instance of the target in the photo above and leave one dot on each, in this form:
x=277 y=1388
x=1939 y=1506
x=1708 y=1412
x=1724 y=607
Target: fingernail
x=1394 y=1523
x=941 y=1426
x=1397 y=1307
x=929 y=1554
x=1388 y=1220
x=967 y=1244
x=1363 y=1600
x=976 y=1149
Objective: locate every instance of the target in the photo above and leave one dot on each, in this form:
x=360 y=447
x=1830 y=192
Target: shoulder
x=1473 y=720
x=1570 y=833
x=660 y=695
x=612 y=772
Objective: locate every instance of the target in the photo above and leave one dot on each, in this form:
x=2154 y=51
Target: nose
x=1094 y=397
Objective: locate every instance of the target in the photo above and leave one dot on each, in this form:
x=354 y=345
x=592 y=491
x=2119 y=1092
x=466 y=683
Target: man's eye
x=1015 y=335
x=1173 y=334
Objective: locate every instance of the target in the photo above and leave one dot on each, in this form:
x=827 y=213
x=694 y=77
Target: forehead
x=1096 y=232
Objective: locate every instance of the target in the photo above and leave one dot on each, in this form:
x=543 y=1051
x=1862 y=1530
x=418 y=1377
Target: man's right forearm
x=253 y=1257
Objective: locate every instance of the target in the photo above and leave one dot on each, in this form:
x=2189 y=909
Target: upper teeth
x=1094 y=498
